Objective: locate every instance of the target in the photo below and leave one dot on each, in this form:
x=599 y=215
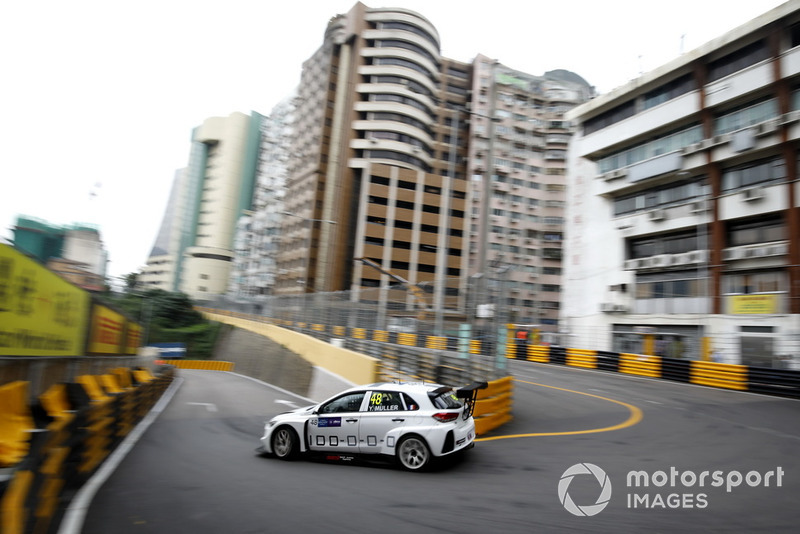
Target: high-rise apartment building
x=212 y=192
x=75 y=252
x=517 y=162
x=378 y=169
x=393 y=152
x=684 y=217
x=160 y=272
x=258 y=230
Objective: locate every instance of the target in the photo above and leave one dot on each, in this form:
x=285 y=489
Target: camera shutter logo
x=584 y=469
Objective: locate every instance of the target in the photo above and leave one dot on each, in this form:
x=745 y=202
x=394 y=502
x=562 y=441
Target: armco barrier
x=70 y=431
x=493 y=407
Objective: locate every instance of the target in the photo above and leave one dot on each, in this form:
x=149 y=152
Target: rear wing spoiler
x=470 y=395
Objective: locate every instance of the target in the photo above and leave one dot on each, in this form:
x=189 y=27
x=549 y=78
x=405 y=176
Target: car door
x=335 y=428
x=385 y=410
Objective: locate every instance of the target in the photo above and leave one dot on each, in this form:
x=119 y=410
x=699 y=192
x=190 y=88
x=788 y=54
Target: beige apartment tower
x=379 y=169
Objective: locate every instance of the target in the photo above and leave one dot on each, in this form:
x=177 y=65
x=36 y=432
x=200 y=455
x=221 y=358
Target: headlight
x=270 y=423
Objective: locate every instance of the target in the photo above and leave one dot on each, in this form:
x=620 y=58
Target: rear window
x=446 y=400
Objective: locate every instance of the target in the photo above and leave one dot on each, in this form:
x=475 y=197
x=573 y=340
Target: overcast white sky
x=103 y=95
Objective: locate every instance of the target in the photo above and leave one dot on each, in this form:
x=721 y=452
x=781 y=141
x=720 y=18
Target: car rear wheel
x=413 y=453
x=285 y=444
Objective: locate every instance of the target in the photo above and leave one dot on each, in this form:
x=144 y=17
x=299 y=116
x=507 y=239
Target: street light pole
x=443 y=243
x=486 y=189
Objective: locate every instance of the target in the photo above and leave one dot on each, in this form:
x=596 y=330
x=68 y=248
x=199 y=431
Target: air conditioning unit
x=620 y=308
x=766 y=128
x=681 y=259
x=788 y=118
x=630 y=265
x=615 y=175
x=662 y=260
x=732 y=254
x=607 y=307
x=753 y=193
x=691 y=149
x=657 y=215
x=700 y=206
x=698 y=256
x=777 y=250
x=720 y=139
x=758 y=252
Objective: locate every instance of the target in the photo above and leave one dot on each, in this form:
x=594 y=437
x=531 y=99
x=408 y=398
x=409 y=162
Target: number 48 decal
x=376 y=399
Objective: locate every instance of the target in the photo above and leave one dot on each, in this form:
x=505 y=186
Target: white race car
x=411 y=422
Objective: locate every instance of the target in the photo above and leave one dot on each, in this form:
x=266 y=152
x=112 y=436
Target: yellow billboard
x=40 y=313
x=753 y=304
x=133 y=338
x=105 y=337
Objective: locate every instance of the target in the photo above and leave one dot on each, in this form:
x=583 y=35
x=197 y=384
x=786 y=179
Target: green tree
x=131 y=280
x=169 y=316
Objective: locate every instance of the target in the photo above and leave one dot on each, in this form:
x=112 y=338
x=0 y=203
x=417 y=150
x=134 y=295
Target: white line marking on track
x=211 y=407
x=287 y=403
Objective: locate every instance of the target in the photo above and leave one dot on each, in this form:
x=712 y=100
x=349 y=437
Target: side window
x=446 y=401
x=346 y=403
x=385 y=401
x=411 y=404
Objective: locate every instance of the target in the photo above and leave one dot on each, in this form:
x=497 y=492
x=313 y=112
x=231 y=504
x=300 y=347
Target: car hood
x=306 y=410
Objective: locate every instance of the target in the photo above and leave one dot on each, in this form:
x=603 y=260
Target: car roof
x=409 y=387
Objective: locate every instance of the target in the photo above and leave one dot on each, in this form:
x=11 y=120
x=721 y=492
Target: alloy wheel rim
x=413 y=454
x=283 y=444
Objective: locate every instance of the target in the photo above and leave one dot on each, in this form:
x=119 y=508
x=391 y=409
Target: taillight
x=445 y=417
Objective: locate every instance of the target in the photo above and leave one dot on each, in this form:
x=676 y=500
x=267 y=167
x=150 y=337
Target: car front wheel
x=285 y=444
x=413 y=453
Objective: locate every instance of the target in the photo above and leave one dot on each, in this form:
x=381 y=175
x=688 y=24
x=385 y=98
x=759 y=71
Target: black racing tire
x=413 y=454
x=285 y=443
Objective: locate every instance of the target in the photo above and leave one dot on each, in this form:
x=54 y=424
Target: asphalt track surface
x=194 y=470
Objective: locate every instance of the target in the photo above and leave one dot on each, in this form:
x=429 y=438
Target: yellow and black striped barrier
x=493 y=407
x=203 y=365
x=80 y=424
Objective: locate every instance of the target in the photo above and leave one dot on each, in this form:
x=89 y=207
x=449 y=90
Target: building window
x=676 y=243
x=395 y=25
x=662 y=145
x=750 y=283
x=742 y=118
x=619 y=113
x=670 y=90
x=677 y=193
x=736 y=61
x=753 y=232
x=763 y=171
